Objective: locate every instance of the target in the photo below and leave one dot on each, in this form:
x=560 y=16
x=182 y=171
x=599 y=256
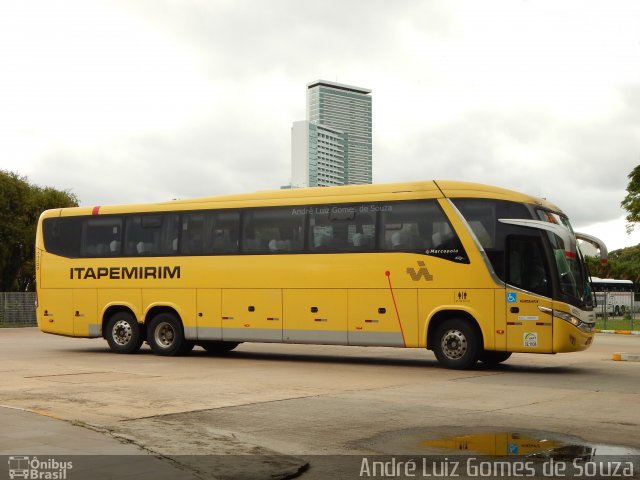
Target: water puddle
x=527 y=443
x=490 y=442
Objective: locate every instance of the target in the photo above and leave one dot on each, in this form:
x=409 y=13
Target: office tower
x=333 y=146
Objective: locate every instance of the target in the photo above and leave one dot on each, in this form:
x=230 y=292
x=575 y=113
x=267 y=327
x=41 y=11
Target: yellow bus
x=469 y=271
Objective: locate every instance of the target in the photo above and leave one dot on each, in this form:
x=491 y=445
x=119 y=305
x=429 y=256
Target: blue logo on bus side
x=512 y=297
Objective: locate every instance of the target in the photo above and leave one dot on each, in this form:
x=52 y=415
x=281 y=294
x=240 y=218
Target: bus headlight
x=575 y=321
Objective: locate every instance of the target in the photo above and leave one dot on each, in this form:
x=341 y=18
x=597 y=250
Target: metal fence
x=17 y=309
x=618 y=311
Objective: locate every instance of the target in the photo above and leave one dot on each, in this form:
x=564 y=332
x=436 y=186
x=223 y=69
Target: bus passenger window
x=222 y=235
x=419 y=227
x=192 y=234
x=101 y=237
x=151 y=235
x=62 y=236
x=272 y=230
x=342 y=228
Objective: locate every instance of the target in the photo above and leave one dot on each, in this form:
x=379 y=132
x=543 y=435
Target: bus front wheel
x=123 y=333
x=456 y=344
x=166 y=336
x=494 y=358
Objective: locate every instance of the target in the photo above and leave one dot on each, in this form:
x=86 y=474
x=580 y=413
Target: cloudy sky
x=127 y=101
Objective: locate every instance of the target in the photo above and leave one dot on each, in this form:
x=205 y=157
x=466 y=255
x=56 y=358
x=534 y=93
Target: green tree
x=21 y=204
x=631 y=202
x=623 y=264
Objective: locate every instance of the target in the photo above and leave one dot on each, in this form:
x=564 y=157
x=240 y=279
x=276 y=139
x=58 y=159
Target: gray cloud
x=458 y=93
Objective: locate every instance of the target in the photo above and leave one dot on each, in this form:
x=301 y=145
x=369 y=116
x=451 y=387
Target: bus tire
x=219 y=347
x=456 y=344
x=123 y=333
x=166 y=336
x=490 y=358
x=616 y=311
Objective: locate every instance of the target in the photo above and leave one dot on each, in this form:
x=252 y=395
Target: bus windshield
x=572 y=270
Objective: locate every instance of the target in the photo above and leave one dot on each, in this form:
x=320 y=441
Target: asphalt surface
x=291 y=410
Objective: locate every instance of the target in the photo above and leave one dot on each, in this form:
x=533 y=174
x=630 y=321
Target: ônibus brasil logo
x=33 y=468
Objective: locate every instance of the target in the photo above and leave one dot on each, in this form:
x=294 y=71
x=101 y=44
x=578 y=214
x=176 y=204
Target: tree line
x=21 y=204
x=624 y=264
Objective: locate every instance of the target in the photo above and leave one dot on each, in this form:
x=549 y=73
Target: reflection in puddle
x=530 y=444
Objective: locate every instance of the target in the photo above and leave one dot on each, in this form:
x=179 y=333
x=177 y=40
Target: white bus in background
x=613 y=296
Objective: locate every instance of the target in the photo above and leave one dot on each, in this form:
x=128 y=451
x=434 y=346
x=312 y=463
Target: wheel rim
x=164 y=335
x=122 y=332
x=454 y=344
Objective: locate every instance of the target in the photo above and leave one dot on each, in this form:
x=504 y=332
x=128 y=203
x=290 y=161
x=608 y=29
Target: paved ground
x=282 y=405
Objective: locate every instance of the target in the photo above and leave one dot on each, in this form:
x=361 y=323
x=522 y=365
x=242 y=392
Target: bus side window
x=222 y=233
x=342 y=228
x=63 y=236
x=526 y=265
x=101 y=237
x=419 y=227
x=272 y=230
x=153 y=234
x=192 y=234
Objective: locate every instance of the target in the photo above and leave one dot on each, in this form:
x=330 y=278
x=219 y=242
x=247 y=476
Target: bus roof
x=337 y=194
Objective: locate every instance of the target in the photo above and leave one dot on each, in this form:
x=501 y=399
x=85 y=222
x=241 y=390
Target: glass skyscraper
x=333 y=146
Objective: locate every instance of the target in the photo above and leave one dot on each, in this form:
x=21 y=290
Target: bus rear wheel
x=456 y=344
x=123 y=333
x=218 y=347
x=166 y=336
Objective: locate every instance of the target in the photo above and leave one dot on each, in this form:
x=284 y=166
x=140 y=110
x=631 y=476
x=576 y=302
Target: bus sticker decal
x=512 y=297
x=530 y=339
x=462 y=297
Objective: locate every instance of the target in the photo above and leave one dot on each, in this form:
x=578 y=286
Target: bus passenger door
x=85 y=313
x=252 y=315
x=528 y=292
x=529 y=329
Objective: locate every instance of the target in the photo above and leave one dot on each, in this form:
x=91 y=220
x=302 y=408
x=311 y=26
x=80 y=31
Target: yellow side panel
x=252 y=314
x=85 y=312
x=500 y=327
x=478 y=303
x=55 y=311
x=130 y=298
x=182 y=301
x=209 y=315
x=315 y=316
x=528 y=328
x=431 y=301
x=373 y=319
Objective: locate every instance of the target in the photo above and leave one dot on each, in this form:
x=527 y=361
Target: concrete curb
x=619 y=332
x=625 y=357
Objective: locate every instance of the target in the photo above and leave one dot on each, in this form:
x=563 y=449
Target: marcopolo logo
x=422 y=272
x=37 y=469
